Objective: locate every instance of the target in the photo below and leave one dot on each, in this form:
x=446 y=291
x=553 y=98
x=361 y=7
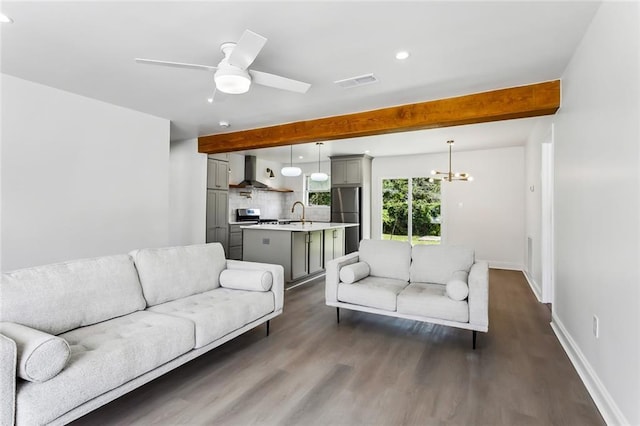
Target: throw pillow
x=41 y=356
x=246 y=279
x=457 y=288
x=354 y=272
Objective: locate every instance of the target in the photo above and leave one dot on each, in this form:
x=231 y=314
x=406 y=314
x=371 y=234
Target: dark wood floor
x=371 y=370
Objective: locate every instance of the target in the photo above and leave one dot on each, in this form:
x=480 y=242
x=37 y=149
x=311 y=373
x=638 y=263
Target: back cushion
x=64 y=296
x=388 y=259
x=437 y=263
x=172 y=273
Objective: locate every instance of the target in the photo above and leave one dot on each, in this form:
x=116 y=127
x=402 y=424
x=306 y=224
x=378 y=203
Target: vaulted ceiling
x=456 y=48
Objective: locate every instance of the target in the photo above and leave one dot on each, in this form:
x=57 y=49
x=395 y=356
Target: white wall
x=486 y=214
x=80 y=178
x=597 y=211
x=187 y=193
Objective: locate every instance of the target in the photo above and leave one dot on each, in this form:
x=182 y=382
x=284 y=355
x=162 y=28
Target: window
x=317 y=193
x=411 y=210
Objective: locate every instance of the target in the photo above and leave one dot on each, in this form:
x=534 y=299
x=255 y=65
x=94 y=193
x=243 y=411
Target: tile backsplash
x=273 y=205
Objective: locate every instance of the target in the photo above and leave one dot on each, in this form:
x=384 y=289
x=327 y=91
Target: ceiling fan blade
x=272 y=80
x=246 y=50
x=175 y=64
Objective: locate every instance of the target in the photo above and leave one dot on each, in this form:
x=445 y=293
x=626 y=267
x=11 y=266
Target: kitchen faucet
x=294 y=207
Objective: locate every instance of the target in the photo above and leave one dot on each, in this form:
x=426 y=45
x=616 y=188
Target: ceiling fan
x=232 y=75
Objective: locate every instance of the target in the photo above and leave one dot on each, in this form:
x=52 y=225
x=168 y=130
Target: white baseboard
x=603 y=400
x=535 y=288
x=496 y=264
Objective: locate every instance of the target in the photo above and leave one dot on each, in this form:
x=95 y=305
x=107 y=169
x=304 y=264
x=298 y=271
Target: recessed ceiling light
x=300 y=157
x=5 y=19
x=401 y=55
x=210 y=100
x=224 y=124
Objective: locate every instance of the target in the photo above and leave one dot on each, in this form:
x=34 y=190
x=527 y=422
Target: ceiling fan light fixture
x=232 y=81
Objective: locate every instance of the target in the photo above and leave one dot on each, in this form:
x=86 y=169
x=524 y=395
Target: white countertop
x=308 y=226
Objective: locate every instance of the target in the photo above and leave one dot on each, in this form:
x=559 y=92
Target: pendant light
x=290 y=170
x=319 y=176
x=450 y=176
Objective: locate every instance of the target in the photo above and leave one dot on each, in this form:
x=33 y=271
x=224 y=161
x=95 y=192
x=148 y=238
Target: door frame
x=547 y=219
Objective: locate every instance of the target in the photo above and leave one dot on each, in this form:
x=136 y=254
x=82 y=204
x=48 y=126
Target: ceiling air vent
x=360 y=80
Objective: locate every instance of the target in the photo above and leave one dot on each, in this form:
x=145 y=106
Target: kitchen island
x=301 y=248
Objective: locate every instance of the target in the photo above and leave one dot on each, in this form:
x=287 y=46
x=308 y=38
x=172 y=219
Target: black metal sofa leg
x=269 y=321
x=338 y=315
x=475 y=333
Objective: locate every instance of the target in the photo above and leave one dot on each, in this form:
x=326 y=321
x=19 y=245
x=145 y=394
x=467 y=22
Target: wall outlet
x=596 y=326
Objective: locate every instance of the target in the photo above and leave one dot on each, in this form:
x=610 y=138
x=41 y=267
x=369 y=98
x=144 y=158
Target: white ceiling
x=456 y=48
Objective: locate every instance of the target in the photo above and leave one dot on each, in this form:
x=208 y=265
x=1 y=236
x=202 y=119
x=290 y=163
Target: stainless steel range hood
x=250 y=173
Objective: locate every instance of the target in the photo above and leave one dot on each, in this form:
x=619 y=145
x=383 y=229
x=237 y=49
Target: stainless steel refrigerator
x=346 y=207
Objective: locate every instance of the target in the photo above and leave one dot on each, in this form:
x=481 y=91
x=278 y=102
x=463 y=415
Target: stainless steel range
x=252 y=215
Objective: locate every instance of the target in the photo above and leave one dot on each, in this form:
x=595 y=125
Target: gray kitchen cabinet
x=299 y=255
x=333 y=244
x=315 y=252
x=306 y=253
x=235 y=242
x=346 y=171
x=305 y=249
x=218 y=201
x=218 y=218
x=217 y=174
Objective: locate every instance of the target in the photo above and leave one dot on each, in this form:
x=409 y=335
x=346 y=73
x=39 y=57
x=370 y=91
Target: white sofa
x=430 y=283
x=79 y=334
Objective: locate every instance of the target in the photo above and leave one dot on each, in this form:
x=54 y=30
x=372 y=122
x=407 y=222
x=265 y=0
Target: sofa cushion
x=374 y=292
x=64 y=296
x=388 y=259
x=431 y=300
x=219 y=312
x=173 y=272
x=354 y=272
x=457 y=288
x=246 y=279
x=103 y=357
x=436 y=263
x=40 y=355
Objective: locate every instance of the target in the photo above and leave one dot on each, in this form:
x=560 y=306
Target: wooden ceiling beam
x=504 y=104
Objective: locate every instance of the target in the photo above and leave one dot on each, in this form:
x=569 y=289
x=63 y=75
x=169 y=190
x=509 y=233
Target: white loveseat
x=79 y=334
x=430 y=283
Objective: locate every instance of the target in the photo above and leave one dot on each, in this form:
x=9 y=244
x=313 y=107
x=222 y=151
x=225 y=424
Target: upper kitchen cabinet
x=217 y=174
x=349 y=170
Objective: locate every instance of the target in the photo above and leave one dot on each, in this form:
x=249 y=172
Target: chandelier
x=449 y=176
